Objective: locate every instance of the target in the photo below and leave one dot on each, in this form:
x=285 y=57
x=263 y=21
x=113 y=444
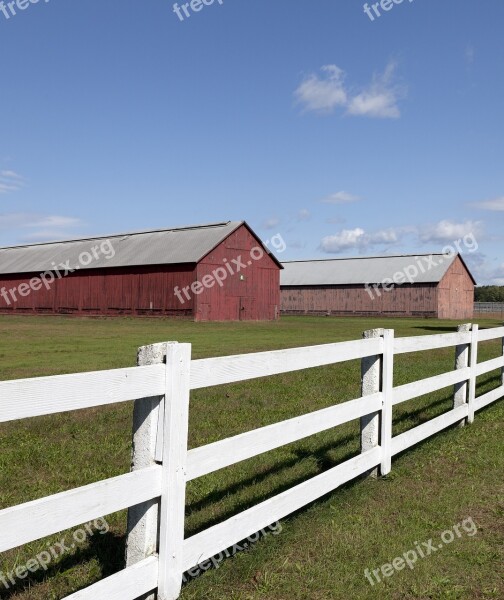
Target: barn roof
x=430 y=268
x=162 y=246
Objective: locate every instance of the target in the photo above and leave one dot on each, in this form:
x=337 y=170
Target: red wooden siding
x=456 y=293
x=405 y=300
x=125 y=290
x=251 y=294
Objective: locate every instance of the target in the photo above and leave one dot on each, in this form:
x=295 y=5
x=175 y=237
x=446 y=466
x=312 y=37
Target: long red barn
x=427 y=285
x=216 y=272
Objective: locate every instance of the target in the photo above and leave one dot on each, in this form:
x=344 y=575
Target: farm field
x=322 y=551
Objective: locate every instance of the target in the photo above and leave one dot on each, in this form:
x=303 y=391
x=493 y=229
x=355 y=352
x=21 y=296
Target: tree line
x=489 y=293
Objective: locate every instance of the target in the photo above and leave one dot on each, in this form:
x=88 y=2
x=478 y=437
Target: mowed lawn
x=323 y=550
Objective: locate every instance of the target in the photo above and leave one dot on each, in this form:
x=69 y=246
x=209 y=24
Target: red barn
x=429 y=285
x=216 y=272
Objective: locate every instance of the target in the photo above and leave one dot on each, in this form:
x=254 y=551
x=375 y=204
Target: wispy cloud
x=11 y=174
x=10 y=181
x=53 y=221
x=326 y=91
x=380 y=99
x=447 y=231
x=497 y=204
x=358 y=239
x=303 y=215
x=30 y=227
x=341 y=198
x=271 y=223
x=323 y=93
x=347 y=239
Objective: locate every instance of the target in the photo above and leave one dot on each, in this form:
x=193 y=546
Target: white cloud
x=340 y=198
x=384 y=236
x=30 y=220
x=304 y=215
x=359 y=240
x=53 y=221
x=45 y=235
x=448 y=231
x=435 y=237
x=380 y=99
x=10 y=181
x=497 y=204
x=29 y=227
x=324 y=93
x=271 y=223
x=11 y=174
x=344 y=240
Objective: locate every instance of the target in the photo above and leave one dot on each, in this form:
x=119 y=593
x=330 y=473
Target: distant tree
x=489 y=293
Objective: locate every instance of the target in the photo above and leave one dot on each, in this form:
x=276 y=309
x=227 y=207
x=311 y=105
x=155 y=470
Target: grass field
x=323 y=550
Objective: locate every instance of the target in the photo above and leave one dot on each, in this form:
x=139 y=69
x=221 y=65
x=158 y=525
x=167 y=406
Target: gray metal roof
x=429 y=268
x=164 y=246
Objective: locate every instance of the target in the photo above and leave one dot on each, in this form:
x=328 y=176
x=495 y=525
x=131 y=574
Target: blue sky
x=343 y=134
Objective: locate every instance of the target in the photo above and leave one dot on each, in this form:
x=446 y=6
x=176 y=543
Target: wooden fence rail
x=158 y=555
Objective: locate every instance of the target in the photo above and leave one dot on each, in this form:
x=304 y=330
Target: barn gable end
x=251 y=288
x=456 y=292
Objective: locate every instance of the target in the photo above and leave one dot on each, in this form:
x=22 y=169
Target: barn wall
x=404 y=300
x=251 y=294
x=131 y=290
x=456 y=293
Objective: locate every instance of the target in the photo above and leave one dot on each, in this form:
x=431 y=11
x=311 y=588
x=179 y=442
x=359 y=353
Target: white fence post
x=172 y=511
x=502 y=370
x=143 y=523
x=387 y=389
x=473 y=364
x=371 y=384
x=460 y=393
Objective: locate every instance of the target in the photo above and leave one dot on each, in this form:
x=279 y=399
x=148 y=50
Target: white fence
x=156 y=486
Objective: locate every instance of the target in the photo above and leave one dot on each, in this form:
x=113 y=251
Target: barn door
x=246 y=309
x=205 y=312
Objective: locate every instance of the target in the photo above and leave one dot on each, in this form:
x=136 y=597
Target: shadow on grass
x=107 y=549
x=321 y=456
x=482 y=385
x=415 y=417
x=218 y=495
x=438 y=328
x=301 y=454
x=323 y=460
x=231 y=551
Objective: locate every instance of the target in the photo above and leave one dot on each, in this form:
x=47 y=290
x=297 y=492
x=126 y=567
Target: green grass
x=323 y=550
